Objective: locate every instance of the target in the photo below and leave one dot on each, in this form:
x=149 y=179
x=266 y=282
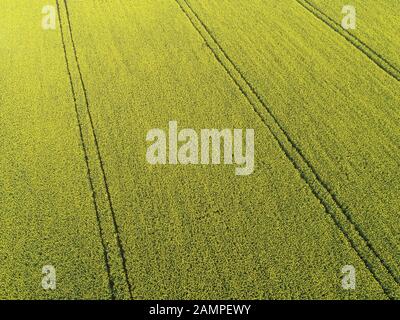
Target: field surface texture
x=78 y=193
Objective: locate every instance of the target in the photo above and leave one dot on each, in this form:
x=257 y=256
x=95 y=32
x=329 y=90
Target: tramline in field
x=185 y=149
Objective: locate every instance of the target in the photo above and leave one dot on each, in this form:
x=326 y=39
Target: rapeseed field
x=199 y=149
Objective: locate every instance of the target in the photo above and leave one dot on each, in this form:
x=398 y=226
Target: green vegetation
x=341 y=114
x=377 y=24
x=78 y=193
x=47 y=215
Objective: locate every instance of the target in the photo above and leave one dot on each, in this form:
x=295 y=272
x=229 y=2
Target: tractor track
x=374 y=56
x=86 y=157
x=100 y=162
x=339 y=213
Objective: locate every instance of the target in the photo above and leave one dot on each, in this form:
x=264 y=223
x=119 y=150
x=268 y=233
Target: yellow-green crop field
x=85 y=215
